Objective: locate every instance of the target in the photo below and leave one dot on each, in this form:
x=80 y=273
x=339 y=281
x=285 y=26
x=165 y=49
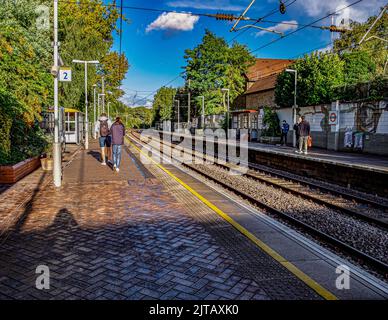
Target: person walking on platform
x=118 y=133
x=304 y=133
x=102 y=128
x=285 y=128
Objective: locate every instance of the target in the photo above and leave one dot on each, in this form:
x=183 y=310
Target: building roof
x=264 y=73
x=265 y=67
x=263 y=84
x=244 y=111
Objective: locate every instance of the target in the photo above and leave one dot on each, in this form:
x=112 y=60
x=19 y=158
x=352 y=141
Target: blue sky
x=154 y=42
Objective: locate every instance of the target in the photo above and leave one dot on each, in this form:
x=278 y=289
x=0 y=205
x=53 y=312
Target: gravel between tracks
x=349 y=191
x=361 y=235
x=329 y=197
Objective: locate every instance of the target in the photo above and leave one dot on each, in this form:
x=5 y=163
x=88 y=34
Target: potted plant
x=46 y=159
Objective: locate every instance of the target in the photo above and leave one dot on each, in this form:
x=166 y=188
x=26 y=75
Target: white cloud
x=215 y=5
x=173 y=21
x=281 y=27
x=359 y=12
x=326 y=49
x=133 y=100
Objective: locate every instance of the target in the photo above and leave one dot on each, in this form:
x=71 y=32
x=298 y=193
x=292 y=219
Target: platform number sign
x=65 y=74
x=333 y=117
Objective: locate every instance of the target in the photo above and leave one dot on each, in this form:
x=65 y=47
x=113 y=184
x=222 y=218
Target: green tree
x=318 y=75
x=140 y=117
x=376 y=48
x=358 y=67
x=24 y=57
x=214 y=65
x=26 y=88
x=162 y=107
x=86 y=32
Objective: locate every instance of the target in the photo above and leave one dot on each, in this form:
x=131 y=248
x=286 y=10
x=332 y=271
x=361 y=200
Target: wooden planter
x=12 y=174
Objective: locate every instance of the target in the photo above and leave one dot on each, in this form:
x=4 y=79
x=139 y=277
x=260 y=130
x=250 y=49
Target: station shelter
x=71 y=125
x=247 y=119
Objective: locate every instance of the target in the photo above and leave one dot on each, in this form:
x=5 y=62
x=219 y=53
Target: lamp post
x=178 y=114
x=189 y=106
x=57 y=156
x=103 y=93
x=100 y=95
x=203 y=112
x=86 y=63
x=109 y=92
x=94 y=103
x=295 y=72
x=227 y=112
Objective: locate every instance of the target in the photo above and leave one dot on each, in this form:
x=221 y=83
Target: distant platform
x=364 y=172
x=347 y=159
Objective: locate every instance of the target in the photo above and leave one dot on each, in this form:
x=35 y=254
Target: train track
x=352 y=205
x=308 y=227
x=305 y=191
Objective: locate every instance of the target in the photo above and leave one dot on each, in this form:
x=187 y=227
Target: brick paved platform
x=114 y=236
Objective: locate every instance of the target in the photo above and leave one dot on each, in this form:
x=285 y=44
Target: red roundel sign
x=333 y=117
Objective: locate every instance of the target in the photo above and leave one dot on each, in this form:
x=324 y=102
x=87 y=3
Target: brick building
x=260 y=83
x=260 y=92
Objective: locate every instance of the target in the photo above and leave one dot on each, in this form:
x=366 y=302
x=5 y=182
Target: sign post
x=334 y=123
x=65 y=74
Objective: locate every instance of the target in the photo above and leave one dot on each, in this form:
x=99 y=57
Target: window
x=245 y=119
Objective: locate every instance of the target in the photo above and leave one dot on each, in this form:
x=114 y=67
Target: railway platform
x=364 y=172
x=155 y=232
x=338 y=158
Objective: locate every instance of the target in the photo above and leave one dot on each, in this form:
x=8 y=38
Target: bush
x=18 y=140
x=271 y=123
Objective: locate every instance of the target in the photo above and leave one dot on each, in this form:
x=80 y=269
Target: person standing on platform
x=118 y=133
x=296 y=129
x=304 y=133
x=285 y=128
x=102 y=128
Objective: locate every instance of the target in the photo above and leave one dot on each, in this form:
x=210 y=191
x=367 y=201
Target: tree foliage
x=139 y=117
x=377 y=49
x=26 y=86
x=214 y=65
x=358 y=67
x=318 y=74
x=86 y=33
x=162 y=106
x=271 y=123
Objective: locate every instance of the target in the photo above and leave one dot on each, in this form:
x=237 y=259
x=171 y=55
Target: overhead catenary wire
x=261 y=19
x=305 y=26
x=296 y=56
x=200 y=14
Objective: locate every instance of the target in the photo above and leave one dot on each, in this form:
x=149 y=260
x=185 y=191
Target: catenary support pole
x=57 y=156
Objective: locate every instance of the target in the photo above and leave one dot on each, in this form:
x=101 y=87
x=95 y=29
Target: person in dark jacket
x=296 y=129
x=118 y=132
x=304 y=133
x=285 y=128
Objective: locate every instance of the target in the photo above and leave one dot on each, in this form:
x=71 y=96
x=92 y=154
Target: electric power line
x=261 y=19
x=304 y=26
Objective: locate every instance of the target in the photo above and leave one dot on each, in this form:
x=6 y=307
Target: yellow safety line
x=288 y=265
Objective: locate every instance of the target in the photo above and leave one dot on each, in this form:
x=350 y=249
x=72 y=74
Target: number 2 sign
x=65 y=74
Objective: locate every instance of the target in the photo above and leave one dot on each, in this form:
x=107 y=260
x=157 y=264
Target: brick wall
x=261 y=99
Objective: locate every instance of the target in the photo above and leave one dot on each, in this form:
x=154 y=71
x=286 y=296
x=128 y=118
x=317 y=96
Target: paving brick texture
x=105 y=235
